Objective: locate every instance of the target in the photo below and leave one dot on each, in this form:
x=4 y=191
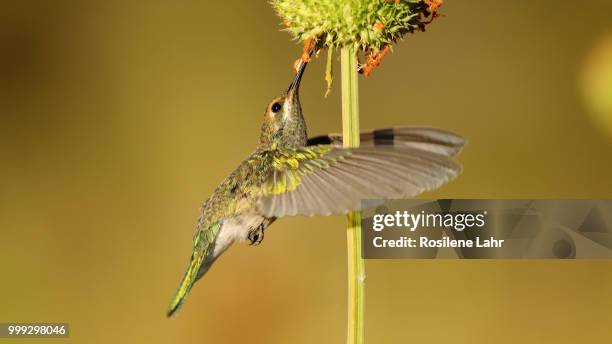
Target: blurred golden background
x=118 y=118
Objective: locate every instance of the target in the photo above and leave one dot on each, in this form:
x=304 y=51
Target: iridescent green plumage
x=203 y=242
x=290 y=175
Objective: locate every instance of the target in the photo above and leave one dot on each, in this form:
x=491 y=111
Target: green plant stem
x=350 y=133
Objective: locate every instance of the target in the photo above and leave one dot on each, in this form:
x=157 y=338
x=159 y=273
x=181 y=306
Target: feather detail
x=427 y=139
x=331 y=180
x=201 y=258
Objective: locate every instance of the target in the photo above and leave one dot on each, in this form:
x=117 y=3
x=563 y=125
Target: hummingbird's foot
x=256 y=235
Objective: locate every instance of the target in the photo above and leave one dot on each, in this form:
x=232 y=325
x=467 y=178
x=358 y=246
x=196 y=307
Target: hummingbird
x=290 y=174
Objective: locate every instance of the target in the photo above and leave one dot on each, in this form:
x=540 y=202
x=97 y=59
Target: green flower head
x=370 y=25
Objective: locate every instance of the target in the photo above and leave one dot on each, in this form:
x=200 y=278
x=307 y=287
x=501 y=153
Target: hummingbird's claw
x=256 y=235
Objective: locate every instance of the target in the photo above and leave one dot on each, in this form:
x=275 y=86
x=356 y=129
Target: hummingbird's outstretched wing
x=201 y=258
x=325 y=179
x=429 y=139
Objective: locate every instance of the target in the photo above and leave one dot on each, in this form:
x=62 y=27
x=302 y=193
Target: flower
x=370 y=25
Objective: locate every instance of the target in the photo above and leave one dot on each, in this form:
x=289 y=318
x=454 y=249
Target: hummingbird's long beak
x=295 y=84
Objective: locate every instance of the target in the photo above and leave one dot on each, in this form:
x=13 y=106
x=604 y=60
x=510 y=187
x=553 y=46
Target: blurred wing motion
x=428 y=139
x=201 y=258
x=327 y=179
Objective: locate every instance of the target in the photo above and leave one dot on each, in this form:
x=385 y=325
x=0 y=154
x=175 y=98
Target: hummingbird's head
x=284 y=123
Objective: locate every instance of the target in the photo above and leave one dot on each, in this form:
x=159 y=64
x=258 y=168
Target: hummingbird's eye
x=276 y=107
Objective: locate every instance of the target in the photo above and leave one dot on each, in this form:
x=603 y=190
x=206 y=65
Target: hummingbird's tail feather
x=187 y=282
x=428 y=139
x=201 y=260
